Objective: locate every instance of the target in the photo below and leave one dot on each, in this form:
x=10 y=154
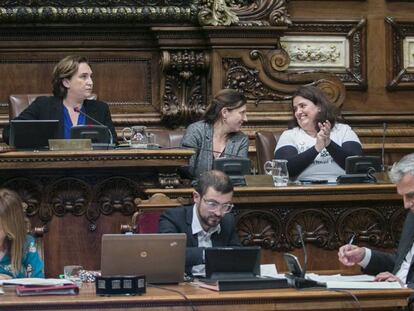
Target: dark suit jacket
x=178 y=220
x=51 y=108
x=391 y=262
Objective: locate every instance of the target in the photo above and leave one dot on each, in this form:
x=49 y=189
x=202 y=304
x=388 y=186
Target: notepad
x=363 y=285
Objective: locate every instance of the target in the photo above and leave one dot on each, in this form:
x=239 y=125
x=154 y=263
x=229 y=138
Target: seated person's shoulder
x=199 y=125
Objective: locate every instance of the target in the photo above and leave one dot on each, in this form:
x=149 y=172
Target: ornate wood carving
x=185 y=88
x=206 y=12
x=82 y=11
x=355 y=76
x=398 y=76
x=249 y=79
x=326 y=227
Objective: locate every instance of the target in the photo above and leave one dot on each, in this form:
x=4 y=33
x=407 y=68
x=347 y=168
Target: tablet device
x=32 y=134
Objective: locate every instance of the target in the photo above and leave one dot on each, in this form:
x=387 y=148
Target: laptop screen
x=232 y=262
x=160 y=257
x=32 y=134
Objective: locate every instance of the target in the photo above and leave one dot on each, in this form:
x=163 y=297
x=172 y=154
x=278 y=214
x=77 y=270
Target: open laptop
x=160 y=257
x=32 y=134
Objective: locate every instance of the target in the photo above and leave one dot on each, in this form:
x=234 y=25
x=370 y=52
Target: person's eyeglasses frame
x=213 y=206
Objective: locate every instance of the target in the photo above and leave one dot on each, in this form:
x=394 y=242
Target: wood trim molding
x=355 y=75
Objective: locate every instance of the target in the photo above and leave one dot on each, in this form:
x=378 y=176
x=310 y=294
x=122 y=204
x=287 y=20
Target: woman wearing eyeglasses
x=207 y=223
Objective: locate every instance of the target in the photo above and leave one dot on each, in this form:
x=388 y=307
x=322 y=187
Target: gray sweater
x=199 y=136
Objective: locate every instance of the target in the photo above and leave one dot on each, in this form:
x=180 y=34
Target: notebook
x=160 y=257
x=32 y=134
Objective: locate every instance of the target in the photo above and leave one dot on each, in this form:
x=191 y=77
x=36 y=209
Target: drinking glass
x=279 y=172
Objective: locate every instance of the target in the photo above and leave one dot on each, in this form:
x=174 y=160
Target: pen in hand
x=352 y=239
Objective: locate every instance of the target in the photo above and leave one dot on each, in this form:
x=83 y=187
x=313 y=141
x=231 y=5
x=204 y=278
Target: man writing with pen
x=398 y=266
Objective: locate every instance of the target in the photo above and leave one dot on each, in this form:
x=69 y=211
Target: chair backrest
x=265 y=148
x=19 y=102
x=168 y=139
x=146 y=219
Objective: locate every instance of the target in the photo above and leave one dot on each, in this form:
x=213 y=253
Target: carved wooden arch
x=269 y=68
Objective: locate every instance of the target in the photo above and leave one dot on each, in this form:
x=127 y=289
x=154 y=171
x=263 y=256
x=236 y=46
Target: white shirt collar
x=196 y=227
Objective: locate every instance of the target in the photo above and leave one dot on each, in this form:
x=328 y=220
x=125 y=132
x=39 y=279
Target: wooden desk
x=33 y=160
x=79 y=195
x=202 y=299
x=328 y=214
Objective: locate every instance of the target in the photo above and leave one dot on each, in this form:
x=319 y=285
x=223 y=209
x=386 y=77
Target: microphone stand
x=110 y=145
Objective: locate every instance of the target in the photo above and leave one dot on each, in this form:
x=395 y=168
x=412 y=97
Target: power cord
x=174 y=291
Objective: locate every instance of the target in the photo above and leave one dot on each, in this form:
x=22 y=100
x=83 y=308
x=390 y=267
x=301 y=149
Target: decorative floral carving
x=367 y=224
x=97 y=11
x=117 y=194
x=247 y=80
x=260 y=228
x=354 y=77
x=216 y=12
x=262 y=12
x=185 y=86
x=311 y=53
x=317 y=226
x=30 y=192
x=68 y=195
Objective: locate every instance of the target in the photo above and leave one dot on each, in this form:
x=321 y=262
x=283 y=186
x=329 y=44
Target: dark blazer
x=391 y=262
x=179 y=220
x=199 y=135
x=51 y=108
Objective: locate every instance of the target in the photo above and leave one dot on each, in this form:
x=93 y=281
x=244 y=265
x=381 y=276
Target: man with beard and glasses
x=207 y=223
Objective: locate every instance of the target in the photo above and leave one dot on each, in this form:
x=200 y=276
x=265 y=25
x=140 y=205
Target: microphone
x=384 y=130
x=299 y=228
x=211 y=150
x=111 y=138
x=297 y=276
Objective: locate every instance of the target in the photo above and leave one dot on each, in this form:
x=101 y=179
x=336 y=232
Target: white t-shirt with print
x=323 y=166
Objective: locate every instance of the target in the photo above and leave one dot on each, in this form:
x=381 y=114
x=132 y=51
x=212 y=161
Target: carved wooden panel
x=328 y=226
x=354 y=73
x=400 y=49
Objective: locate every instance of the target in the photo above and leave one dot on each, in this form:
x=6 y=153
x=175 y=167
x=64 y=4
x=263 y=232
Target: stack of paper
x=362 y=281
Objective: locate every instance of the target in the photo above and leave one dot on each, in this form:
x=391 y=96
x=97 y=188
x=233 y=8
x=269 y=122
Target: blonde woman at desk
x=317 y=145
x=18 y=254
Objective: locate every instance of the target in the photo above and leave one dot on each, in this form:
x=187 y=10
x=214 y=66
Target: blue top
x=67 y=122
x=32 y=265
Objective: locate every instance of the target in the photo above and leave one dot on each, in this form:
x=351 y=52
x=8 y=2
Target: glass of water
x=279 y=172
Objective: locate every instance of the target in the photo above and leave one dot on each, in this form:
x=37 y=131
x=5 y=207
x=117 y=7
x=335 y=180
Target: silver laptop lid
x=160 y=257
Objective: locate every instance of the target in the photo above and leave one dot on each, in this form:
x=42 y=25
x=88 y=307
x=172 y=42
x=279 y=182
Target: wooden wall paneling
x=400 y=64
x=354 y=75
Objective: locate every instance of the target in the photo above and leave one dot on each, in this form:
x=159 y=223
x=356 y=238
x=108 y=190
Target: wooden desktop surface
x=202 y=299
x=94 y=158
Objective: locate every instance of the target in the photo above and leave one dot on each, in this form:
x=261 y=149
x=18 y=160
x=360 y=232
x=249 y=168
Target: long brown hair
x=327 y=110
x=14 y=225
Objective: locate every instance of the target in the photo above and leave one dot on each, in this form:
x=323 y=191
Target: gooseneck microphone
x=111 y=138
x=305 y=253
x=384 y=131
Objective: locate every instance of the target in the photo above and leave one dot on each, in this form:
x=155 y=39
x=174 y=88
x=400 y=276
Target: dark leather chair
x=265 y=148
x=19 y=102
x=168 y=139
